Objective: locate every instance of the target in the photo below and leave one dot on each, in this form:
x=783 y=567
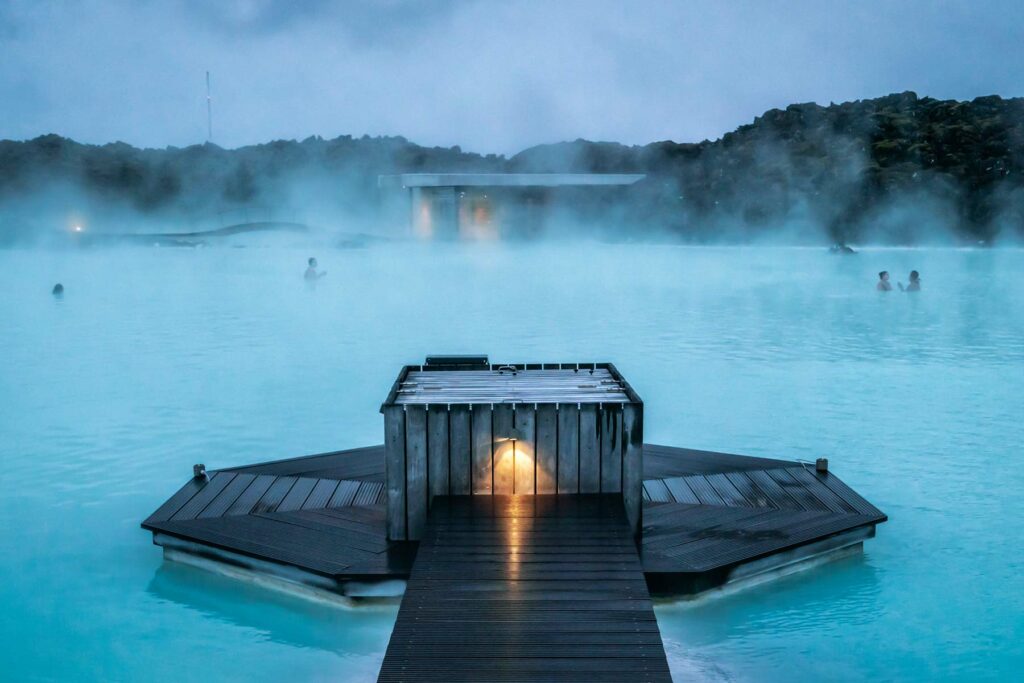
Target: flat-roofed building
x=492 y=205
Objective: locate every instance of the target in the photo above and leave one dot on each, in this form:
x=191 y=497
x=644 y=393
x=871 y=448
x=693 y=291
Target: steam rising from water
x=159 y=358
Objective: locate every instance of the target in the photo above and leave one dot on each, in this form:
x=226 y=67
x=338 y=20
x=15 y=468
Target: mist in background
x=148 y=360
x=104 y=112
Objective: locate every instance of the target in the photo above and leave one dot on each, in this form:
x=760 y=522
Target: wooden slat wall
x=437 y=450
x=502 y=449
x=438 y=455
x=611 y=449
x=483 y=480
x=632 y=463
x=547 y=448
x=394 y=465
x=526 y=450
x=251 y=495
x=590 y=450
x=568 y=448
x=460 y=448
x=415 y=470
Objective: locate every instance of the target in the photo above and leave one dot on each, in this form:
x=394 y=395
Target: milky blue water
x=156 y=359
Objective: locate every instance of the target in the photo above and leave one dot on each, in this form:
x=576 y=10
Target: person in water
x=915 y=283
x=58 y=290
x=311 y=272
x=883 y=282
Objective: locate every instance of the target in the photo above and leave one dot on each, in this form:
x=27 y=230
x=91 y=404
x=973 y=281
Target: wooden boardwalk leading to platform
x=526 y=588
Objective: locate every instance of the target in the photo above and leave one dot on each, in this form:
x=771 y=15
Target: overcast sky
x=489 y=76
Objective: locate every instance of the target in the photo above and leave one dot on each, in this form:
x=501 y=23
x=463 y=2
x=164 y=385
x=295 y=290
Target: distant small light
x=78 y=228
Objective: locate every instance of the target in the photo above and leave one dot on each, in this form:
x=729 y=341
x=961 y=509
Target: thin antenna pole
x=209 y=110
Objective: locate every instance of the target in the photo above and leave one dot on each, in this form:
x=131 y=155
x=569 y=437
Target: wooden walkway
x=526 y=588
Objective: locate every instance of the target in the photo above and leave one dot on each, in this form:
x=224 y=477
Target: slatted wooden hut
x=464 y=426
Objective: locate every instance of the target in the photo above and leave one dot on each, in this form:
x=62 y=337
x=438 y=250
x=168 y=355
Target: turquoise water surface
x=157 y=358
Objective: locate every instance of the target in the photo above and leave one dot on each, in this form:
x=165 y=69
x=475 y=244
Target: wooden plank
x=176 y=502
x=275 y=494
x=298 y=494
x=611 y=449
x=633 y=464
x=657 y=491
x=368 y=493
x=394 y=462
x=503 y=422
x=460 y=440
x=525 y=612
x=854 y=499
x=680 y=491
x=333 y=535
x=775 y=493
x=729 y=493
x=526 y=450
x=547 y=448
x=344 y=494
x=219 y=505
x=590 y=449
x=761 y=531
x=260 y=537
x=822 y=492
x=704 y=491
x=415 y=471
x=351 y=463
x=746 y=486
x=247 y=501
x=437 y=449
x=796 y=490
x=321 y=494
x=662 y=462
x=465 y=386
x=483 y=473
x=568 y=448
x=198 y=502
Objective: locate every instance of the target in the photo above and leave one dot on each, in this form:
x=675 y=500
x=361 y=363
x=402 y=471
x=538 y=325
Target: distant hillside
x=44 y=180
x=890 y=168
x=893 y=169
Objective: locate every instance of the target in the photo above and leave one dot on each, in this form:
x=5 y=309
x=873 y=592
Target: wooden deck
x=323 y=514
x=526 y=588
x=705 y=514
x=523 y=587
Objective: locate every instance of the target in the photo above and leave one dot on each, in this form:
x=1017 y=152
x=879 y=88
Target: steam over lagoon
x=158 y=358
x=680 y=232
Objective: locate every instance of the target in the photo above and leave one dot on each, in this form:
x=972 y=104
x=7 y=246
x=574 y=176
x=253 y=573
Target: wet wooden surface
x=702 y=511
x=526 y=588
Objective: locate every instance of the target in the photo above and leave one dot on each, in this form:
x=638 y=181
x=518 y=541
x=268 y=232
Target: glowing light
x=424 y=225
x=504 y=458
x=77 y=228
x=513 y=459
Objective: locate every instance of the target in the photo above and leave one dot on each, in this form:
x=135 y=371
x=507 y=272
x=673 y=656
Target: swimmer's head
x=311 y=262
x=914 y=276
x=58 y=289
x=884 y=275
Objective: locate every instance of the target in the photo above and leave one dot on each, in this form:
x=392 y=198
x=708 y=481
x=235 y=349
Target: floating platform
x=708 y=519
x=525 y=519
